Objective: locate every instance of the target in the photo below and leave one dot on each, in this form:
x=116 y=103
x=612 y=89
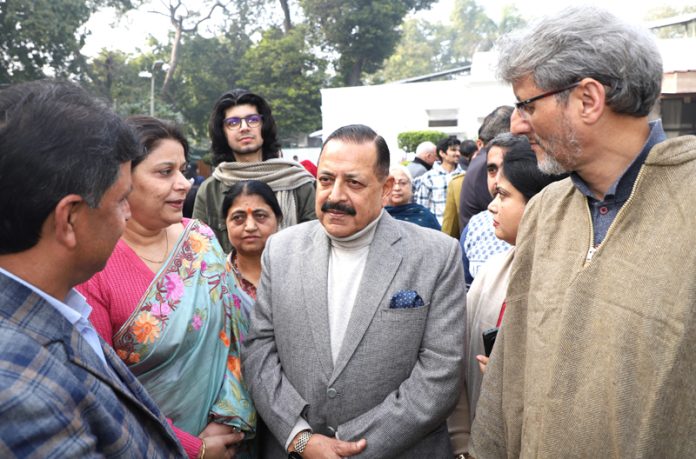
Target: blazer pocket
x=405 y=314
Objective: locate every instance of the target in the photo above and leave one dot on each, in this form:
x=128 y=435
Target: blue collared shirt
x=75 y=310
x=604 y=212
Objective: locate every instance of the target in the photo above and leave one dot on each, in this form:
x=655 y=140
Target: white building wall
x=393 y=108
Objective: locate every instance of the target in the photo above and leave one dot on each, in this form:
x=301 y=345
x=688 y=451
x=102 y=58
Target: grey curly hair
x=581 y=42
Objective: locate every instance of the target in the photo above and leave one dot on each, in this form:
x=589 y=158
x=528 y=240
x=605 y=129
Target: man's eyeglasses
x=523 y=108
x=235 y=122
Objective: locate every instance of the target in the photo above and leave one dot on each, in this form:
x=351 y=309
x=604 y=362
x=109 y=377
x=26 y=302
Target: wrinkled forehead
x=347 y=155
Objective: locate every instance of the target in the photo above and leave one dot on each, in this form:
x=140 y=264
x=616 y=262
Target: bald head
x=427 y=151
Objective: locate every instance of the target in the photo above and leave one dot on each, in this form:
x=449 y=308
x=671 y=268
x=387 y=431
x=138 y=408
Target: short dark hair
x=496 y=122
x=219 y=146
x=358 y=134
x=78 y=149
x=468 y=148
x=444 y=144
x=151 y=131
x=521 y=170
x=508 y=140
x=251 y=188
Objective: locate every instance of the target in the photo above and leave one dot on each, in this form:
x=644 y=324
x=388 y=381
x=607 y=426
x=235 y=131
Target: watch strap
x=302 y=440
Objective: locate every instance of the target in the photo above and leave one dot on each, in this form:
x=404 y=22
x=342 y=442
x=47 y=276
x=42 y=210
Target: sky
x=132 y=31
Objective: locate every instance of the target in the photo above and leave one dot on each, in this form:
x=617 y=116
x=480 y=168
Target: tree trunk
x=287 y=24
x=173 y=60
x=355 y=73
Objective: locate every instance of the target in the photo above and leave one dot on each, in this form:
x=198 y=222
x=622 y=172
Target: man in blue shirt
x=65 y=168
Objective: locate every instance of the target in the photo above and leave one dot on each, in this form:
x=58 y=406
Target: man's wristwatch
x=302 y=440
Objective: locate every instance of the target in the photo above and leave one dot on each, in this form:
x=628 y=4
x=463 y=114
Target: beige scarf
x=281 y=175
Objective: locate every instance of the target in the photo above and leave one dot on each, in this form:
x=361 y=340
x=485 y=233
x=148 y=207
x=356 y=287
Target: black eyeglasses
x=235 y=122
x=522 y=106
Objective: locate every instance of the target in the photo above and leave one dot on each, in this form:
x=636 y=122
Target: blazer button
x=331 y=392
x=332 y=431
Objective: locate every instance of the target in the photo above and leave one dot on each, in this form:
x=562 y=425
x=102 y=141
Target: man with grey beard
x=595 y=355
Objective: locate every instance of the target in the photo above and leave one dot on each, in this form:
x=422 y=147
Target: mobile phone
x=489 y=339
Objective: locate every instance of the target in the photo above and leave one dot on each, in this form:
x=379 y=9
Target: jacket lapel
x=114 y=373
x=382 y=263
x=314 y=269
x=46 y=325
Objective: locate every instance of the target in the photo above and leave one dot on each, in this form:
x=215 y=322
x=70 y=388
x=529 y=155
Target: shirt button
x=603 y=210
x=331 y=392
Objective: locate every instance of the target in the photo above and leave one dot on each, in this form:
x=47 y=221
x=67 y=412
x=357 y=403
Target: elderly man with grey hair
x=426 y=154
x=596 y=352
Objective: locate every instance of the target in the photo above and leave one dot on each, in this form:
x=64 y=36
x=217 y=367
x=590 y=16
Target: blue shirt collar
x=73 y=309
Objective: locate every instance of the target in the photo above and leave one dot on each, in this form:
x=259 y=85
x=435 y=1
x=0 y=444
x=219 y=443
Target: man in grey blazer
x=356 y=340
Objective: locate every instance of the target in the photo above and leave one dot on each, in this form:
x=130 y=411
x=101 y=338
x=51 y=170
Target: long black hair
x=219 y=146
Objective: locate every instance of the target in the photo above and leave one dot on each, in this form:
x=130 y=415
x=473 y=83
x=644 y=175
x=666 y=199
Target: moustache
x=346 y=209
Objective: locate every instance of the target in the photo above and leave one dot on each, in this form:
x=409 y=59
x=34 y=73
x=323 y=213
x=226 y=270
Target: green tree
x=426 y=47
x=363 y=33
x=282 y=68
x=43 y=37
x=185 y=20
x=113 y=76
x=471 y=30
x=208 y=67
x=416 y=53
x=510 y=20
x=409 y=140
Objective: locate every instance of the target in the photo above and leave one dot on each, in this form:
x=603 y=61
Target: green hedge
x=409 y=140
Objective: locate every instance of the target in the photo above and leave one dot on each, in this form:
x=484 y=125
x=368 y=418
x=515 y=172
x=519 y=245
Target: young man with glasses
x=596 y=357
x=245 y=146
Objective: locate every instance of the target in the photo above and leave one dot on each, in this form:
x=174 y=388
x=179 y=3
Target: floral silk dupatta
x=182 y=340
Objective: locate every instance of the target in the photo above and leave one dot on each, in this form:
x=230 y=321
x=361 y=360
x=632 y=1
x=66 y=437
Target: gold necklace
x=166 y=251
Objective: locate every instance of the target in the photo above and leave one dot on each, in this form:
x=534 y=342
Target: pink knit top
x=113 y=294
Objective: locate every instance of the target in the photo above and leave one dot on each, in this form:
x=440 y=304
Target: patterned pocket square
x=404 y=299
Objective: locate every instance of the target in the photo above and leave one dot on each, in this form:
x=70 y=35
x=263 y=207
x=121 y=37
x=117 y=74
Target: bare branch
x=166 y=15
x=194 y=27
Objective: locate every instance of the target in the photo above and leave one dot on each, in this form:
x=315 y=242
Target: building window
x=679 y=115
x=442 y=123
x=448 y=117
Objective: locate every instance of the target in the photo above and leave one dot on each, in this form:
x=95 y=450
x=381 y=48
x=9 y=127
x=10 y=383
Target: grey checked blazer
x=59 y=400
x=397 y=374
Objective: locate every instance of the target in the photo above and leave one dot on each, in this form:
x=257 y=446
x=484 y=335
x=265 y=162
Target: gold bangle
x=201 y=453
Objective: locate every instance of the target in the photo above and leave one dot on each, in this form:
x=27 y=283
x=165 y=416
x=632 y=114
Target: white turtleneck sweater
x=346 y=265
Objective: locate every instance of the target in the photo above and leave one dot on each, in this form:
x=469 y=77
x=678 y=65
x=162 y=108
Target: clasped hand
x=323 y=447
x=221 y=441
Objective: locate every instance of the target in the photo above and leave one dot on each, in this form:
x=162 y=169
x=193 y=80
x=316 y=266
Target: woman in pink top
x=166 y=304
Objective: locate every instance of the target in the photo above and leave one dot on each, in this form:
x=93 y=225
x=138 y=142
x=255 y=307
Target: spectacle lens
x=235 y=122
